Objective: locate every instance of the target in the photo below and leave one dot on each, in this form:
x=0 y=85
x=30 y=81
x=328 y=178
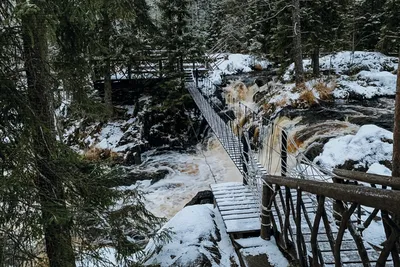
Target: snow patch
x=380 y=169
x=367 y=74
x=235 y=63
x=194 y=233
x=270 y=248
x=371 y=144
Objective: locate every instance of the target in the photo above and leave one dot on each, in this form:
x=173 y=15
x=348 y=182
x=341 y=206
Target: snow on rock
x=380 y=169
x=235 y=63
x=345 y=61
x=269 y=248
x=118 y=135
x=371 y=144
x=197 y=239
x=110 y=135
x=367 y=84
x=362 y=74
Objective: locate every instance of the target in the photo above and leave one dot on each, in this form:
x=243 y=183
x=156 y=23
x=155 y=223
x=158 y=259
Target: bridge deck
x=238 y=206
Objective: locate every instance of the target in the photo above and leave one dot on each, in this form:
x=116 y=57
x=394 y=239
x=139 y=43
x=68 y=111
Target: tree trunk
x=55 y=218
x=297 y=49
x=106 y=34
x=396 y=130
x=315 y=61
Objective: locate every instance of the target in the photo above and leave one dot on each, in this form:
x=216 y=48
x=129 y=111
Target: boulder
x=202 y=197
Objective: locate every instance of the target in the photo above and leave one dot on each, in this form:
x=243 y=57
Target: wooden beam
x=371 y=197
x=266 y=212
x=393 y=182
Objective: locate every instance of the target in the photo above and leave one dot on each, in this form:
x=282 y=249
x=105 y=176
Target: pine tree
x=175 y=35
x=280 y=41
x=321 y=21
x=256 y=28
x=40 y=174
x=57 y=222
x=390 y=30
x=215 y=27
x=369 y=24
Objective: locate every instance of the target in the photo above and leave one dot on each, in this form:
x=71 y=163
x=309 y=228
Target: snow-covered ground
x=236 y=63
x=199 y=238
x=365 y=74
x=370 y=145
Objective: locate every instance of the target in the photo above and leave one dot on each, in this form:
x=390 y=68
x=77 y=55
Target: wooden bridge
x=319 y=218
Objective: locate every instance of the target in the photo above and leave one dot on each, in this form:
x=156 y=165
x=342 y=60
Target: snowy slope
x=235 y=63
x=198 y=239
x=359 y=74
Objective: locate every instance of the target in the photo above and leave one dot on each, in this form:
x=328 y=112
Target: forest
x=56 y=206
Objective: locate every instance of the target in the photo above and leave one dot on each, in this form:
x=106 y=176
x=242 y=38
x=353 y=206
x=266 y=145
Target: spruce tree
x=214 y=30
x=390 y=30
x=280 y=41
x=321 y=23
x=49 y=195
x=56 y=219
x=369 y=24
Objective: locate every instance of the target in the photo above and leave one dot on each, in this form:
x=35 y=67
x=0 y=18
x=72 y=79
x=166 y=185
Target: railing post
x=284 y=153
x=338 y=204
x=245 y=158
x=266 y=212
x=196 y=73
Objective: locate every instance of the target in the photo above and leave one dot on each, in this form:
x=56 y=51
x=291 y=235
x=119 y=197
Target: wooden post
x=338 y=205
x=284 y=153
x=396 y=130
x=129 y=71
x=266 y=212
x=197 y=77
x=161 y=67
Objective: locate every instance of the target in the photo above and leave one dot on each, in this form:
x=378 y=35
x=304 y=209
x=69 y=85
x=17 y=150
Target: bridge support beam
x=267 y=195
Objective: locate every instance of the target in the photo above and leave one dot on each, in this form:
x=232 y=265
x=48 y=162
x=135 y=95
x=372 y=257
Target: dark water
x=379 y=111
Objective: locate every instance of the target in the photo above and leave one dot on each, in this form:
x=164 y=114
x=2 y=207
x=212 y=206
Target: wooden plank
x=251 y=242
x=388 y=264
x=351 y=257
x=228 y=188
x=226 y=185
x=241 y=216
x=232 y=192
x=244 y=211
x=242 y=225
x=243 y=200
x=236 y=203
x=236 y=196
x=324 y=246
x=241 y=207
x=323 y=237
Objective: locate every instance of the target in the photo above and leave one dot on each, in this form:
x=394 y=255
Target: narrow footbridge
x=318 y=217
